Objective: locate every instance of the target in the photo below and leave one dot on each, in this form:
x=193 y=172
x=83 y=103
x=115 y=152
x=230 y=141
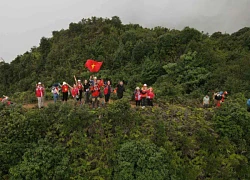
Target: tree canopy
x=176 y=140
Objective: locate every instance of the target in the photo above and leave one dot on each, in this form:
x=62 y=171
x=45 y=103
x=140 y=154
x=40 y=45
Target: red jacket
x=74 y=92
x=137 y=95
x=95 y=90
x=150 y=95
x=39 y=91
x=107 y=89
x=65 y=88
x=144 y=92
x=101 y=83
x=79 y=86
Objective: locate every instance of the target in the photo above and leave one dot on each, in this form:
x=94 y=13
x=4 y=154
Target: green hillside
x=120 y=142
x=174 y=140
x=178 y=63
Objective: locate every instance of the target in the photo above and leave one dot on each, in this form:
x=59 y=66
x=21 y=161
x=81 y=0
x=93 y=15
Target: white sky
x=24 y=22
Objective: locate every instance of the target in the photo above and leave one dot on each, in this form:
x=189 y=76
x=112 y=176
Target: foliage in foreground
x=168 y=142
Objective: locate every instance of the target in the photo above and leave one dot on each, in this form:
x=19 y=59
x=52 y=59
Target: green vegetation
x=185 y=63
x=177 y=140
x=119 y=142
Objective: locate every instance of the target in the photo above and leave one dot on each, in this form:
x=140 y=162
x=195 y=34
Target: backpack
x=218 y=96
x=53 y=90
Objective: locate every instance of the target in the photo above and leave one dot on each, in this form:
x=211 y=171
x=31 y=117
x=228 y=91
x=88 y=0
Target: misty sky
x=24 y=22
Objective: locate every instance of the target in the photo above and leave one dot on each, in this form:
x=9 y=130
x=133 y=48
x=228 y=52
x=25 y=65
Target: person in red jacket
x=75 y=92
x=144 y=91
x=65 y=91
x=40 y=94
x=150 y=96
x=95 y=92
x=107 y=91
x=137 y=96
x=80 y=89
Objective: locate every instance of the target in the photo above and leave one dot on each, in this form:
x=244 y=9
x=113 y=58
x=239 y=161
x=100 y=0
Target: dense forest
x=177 y=139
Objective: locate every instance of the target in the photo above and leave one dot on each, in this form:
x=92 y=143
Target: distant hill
x=174 y=140
x=176 y=63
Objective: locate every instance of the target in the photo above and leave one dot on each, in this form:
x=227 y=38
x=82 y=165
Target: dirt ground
x=34 y=105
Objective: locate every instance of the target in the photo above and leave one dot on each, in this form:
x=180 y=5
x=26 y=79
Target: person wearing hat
x=144 y=91
x=95 y=92
x=5 y=100
x=137 y=96
x=55 y=92
x=80 y=89
x=224 y=96
x=65 y=91
x=40 y=94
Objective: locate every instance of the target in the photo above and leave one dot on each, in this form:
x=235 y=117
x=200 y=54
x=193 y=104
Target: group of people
x=5 y=100
x=91 y=91
x=218 y=98
x=144 y=96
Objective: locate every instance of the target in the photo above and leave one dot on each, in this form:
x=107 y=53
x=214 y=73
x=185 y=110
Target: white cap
x=95 y=77
x=78 y=80
x=137 y=88
x=64 y=83
x=39 y=83
x=145 y=85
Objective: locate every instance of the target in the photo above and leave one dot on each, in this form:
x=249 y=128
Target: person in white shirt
x=206 y=101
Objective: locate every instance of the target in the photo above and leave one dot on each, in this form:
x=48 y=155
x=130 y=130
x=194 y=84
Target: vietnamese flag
x=92 y=65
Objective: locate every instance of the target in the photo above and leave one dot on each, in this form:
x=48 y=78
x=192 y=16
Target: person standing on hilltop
x=120 y=89
x=144 y=91
x=80 y=89
x=40 y=94
x=75 y=92
x=95 y=90
x=223 y=96
x=150 y=96
x=65 y=91
x=86 y=87
x=55 y=92
x=91 y=81
x=206 y=101
x=107 y=91
x=137 y=95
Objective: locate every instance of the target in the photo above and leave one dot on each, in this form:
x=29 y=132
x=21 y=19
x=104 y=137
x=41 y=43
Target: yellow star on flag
x=93 y=66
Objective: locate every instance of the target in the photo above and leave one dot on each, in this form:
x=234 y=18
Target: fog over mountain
x=23 y=23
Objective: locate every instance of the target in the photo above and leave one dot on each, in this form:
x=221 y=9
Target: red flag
x=93 y=65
